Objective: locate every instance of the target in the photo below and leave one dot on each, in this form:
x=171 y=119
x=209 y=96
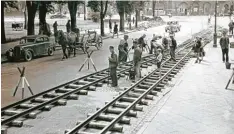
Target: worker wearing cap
x=113 y=63
x=123 y=49
x=173 y=46
x=141 y=41
x=224 y=43
x=137 y=59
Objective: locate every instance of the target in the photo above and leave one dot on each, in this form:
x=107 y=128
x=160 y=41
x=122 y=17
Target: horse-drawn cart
x=94 y=39
x=17 y=26
x=86 y=40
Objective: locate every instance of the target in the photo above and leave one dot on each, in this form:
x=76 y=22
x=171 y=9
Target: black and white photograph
x=117 y=67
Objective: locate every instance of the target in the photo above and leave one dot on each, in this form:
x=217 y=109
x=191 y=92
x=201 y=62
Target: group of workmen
x=139 y=45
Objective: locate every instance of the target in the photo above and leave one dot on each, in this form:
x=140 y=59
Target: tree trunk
x=102 y=16
x=136 y=21
x=25 y=18
x=101 y=19
x=42 y=12
x=130 y=23
x=72 y=7
x=73 y=21
x=3 y=36
x=84 y=11
x=121 y=25
x=153 y=8
x=32 y=9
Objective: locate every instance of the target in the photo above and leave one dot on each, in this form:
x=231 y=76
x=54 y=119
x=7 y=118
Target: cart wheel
x=50 y=51
x=28 y=55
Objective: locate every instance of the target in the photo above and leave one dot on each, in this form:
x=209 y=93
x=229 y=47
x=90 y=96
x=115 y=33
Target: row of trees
x=44 y=7
x=123 y=7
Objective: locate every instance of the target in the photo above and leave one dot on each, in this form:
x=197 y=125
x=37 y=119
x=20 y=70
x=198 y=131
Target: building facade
x=192 y=7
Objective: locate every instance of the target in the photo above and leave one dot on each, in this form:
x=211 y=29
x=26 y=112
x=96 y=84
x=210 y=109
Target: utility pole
x=215 y=34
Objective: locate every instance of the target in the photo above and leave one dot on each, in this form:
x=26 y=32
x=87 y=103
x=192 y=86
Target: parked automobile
x=30 y=47
x=172 y=25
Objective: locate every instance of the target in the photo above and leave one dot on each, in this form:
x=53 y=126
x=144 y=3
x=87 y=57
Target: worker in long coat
x=123 y=49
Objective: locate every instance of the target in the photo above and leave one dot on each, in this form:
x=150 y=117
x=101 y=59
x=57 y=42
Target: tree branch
x=104 y=14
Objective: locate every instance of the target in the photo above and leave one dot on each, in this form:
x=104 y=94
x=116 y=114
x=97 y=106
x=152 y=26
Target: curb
x=6 y=61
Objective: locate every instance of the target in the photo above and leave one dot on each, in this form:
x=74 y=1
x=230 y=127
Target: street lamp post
x=215 y=34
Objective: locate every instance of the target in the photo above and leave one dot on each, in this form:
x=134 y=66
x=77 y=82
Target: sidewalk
x=198 y=103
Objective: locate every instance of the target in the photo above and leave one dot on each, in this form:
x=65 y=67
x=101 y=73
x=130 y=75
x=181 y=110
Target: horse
x=65 y=39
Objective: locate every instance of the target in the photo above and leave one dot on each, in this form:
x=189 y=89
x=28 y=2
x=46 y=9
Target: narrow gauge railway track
x=14 y=114
x=117 y=113
x=44 y=101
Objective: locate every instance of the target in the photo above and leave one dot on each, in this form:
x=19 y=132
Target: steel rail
x=108 y=127
x=59 y=86
x=69 y=82
x=97 y=113
x=55 y=99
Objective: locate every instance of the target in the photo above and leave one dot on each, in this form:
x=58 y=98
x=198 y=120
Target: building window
x=181 y=10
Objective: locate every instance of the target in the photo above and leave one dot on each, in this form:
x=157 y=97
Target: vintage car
x=172 y=25
x=31 y=46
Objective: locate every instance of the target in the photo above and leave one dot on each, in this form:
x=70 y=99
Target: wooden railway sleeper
x=134 y=95
x=73 y=86
x=149 y=97
x=91 y=79
x=147 y=83
x=127 y=99
x=143 y=102
x=106 y=117
x=150 y=80
x=99 y=84
x=114 y=110
x=144 y=66
x=16 y=123
x=41 y=100
x=10 y=112
x=143 y=86
x=125 y=105
x=53 y=95
x=97 y=125
x=82 y=82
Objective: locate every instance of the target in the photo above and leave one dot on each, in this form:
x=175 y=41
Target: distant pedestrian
x=137 y=60
x=110 y=25
x=231 y=27
x=198 y=49
x=159 y=61
x=113 y=63
x=116 y=30
x=129 y=20
x=123 y=49
x=55 y=26
x=224 y=43
x=173 y=46
x=68 y=26
x=133 y=20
